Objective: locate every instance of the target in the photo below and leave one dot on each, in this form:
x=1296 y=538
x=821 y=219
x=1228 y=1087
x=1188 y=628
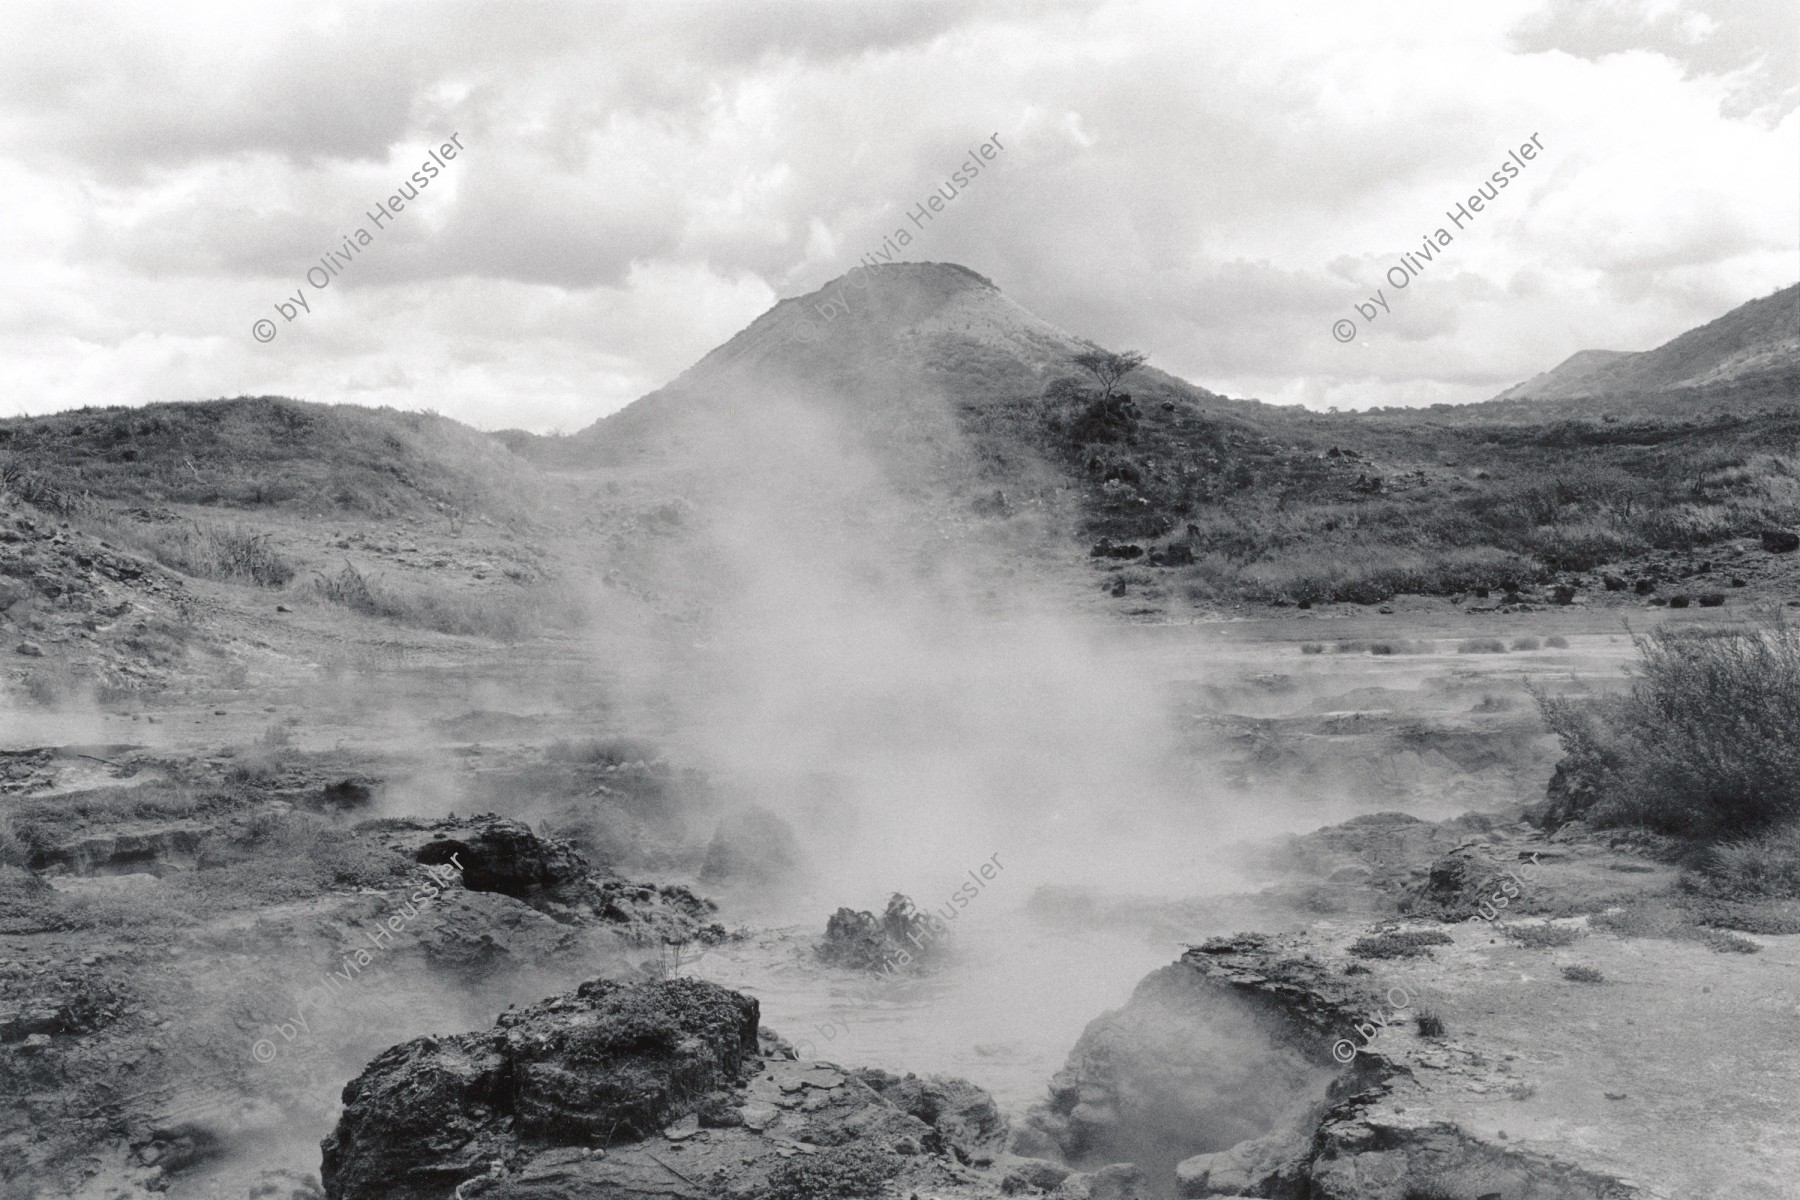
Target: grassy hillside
x=264 y=452
x=1752 y=343
x=1354 y=508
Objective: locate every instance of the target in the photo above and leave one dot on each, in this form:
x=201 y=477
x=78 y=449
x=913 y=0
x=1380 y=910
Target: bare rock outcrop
x=1366 y=1135
x=582 y=1069
x=496 y=854
x=1187 y=1068
x=667 y=1090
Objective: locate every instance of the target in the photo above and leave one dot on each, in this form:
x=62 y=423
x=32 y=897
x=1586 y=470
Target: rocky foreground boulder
x=668 y=1090
x=1260 y=1066
x=607 y=1062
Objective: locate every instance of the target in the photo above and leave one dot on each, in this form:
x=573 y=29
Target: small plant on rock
x=1542 y=937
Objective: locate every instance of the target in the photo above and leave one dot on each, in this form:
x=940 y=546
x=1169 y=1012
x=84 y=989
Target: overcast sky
x=1215 y=184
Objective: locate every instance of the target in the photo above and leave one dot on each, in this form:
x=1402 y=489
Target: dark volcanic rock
x=605 y=1062
x=864 y=942
x=347 y=794
x=665 y=1091
x=496 y=855
x=506 y=857
x=1466 y=883
x=1780 y=541
x=1572 y=791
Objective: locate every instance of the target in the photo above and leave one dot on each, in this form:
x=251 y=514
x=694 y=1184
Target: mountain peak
x=885 y=316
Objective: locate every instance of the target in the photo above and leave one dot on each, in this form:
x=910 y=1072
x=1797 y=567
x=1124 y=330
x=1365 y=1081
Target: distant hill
x=1567 y=377
x=885 y=349
x=968 y=397
x=1750 y=355
x=267 y=451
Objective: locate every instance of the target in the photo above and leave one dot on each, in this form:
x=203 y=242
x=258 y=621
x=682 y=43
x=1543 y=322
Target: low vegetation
x=834 y=1173
x=1660 y=918
x=1767 y=866
x=1542 y=937
x=509 y=615
x=1481 y=646
x=1580 y=974
x=1285 y=506
x=1778 y=919
x=225 y=551
x=1409 y=944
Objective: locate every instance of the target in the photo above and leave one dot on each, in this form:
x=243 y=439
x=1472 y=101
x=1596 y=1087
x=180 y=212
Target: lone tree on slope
x=1108 y=368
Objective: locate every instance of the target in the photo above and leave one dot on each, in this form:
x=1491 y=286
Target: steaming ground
x=807 y=633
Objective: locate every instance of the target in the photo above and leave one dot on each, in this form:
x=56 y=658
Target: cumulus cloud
x=1213 y=183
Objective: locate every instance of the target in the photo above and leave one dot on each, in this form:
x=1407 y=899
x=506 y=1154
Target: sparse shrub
x=1767 y=866
x=1408 y=944
x=1481 y=646
x=231 y=553
x=1429 y=1025
x=506 y=616
x=672 y=952
x=1542 y=937
x=1492 y=703
x=1702 y=745
x=1729 y=943
x=205 y=550
x=1312 y=648
x=1768 y=918
x=1557 y=641
x=350 y=588
x=1526 y=643
x=1579 y=974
